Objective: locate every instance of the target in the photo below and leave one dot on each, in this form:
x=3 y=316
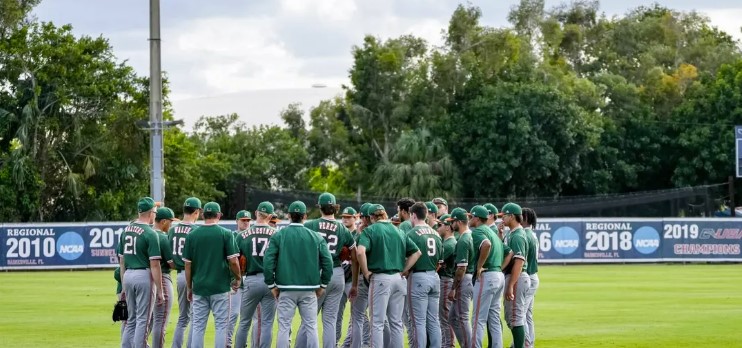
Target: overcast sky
x=254 y=57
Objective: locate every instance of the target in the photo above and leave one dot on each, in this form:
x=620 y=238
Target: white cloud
x=332 y=10
x=727 y=20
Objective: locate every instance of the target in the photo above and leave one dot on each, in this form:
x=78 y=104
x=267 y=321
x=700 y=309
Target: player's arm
x=484 y=251
x=351 y=244
x=518 y=245
x=325 y=261
x=187 y=261
x=233 y=257
x=153 y=249
x=462 y=262
x=413 y=254
x=364 y=244
x=166 y=251
x=269 y=261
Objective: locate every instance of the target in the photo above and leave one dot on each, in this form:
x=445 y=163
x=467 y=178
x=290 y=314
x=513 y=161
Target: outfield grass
x=576 y=306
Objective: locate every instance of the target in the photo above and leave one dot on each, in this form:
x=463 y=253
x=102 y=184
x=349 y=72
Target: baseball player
x=462 y=289
x=423 y=287
x=517 y=282
x=381 y=254
x=211 y=266
x=442 y=206
x=403 y=210
x=337 y=237
x=492 y=223
x=163 y=219
x=242 y=219
x=349 y=221
x=359 y=321
x=529 y=220
x=176 y=239
x=488 y=279
x=253 y=244
x=297 y=269
x=446 y=272
x=139 y=261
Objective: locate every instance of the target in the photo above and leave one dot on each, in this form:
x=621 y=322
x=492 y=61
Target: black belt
x=136 y=269
x=179 y=270
x=469 y=272
x=422 y=271
x=252 y=274
x=387 y=271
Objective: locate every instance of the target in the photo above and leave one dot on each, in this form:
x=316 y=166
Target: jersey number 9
x=431 y=246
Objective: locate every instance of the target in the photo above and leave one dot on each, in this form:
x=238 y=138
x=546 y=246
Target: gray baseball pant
x=234 y=312
x=341 y=313
x=365 y=332
x=306 y=301
x=329 y=303
x=487 y=297
x=184 y=316
x=444 y=308
x=138 y=286
x=387 y=294
x=459 y=317
x=259 y=305
x=515 y=310
x=530 y=328
x=162 y=313
x=423 y=295
x=203 y=305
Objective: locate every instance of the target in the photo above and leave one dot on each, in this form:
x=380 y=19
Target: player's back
x=429 y=242
x=139 y=244
x=253 y=243
x=387 y=247
x=176 y=239
x=532 y=255
x=449 y=258
x=495 y=257
x=335 y=234
x=207 y=248
x=298 y=258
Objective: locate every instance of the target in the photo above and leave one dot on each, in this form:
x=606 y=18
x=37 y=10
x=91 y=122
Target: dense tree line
x=562 y=101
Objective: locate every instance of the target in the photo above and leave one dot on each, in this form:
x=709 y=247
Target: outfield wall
x=563 y=240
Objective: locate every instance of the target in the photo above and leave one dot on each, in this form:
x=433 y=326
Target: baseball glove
x=120 y=312
x=345 y=254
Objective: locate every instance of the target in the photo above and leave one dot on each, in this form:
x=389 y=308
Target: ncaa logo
x=565 y=240
x=70 y=246
x=646 y=240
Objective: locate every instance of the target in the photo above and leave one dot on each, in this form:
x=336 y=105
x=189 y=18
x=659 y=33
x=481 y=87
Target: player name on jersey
x=328 y=226
x=425 y=230
x=183 y=229
x=258 y=230
x=134 y=229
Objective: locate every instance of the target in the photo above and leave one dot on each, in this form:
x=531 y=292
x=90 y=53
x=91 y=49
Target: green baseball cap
x=439 y=200
x=491 y=208
x=458 y=214
x=431 y=207
x=444 y=219
x=164 y=213
x=192 y=202
x=212 y=207
x=145 y=204
x=349 y=212
x=298 y=207
x=479 y=211
x=374 y=208
x=265 y=207
x=364 y=209
x=244 y=215
x=511 y=208
x=327 y=199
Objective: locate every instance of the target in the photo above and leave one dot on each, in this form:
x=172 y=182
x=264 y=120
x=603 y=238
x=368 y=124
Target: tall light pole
x=157 y=182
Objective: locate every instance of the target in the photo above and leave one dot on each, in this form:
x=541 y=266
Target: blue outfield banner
x=93 y=245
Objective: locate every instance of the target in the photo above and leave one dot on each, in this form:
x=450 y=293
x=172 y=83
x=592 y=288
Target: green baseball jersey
x=117 y=276
x=465 y=252
x=386 y=247
x=138 y=245
x=449 y=258
x=518 y=243
x=176 y=238
x=208 y=248
x=405 y=226
x=335 y=234
x=532 y=256
x=494 y=259
x=297 y=260
x=166 y=252
x=429 y=242
x=253 y=244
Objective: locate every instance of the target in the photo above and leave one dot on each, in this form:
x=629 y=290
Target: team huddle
x=441 y=276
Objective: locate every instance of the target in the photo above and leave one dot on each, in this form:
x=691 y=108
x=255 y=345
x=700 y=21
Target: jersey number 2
x=263 y=242
x=129 y=245
x=332 y=241
x=431 y=246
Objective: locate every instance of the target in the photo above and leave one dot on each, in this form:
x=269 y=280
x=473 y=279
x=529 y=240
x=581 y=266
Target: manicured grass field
x=576 y=306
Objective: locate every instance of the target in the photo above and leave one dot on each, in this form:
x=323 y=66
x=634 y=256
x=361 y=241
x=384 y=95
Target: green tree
x=419 y=166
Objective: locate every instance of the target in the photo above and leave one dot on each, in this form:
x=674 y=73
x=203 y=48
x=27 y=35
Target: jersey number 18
x=178 y=244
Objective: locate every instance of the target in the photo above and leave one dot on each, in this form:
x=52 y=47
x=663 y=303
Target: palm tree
x=419 y=166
